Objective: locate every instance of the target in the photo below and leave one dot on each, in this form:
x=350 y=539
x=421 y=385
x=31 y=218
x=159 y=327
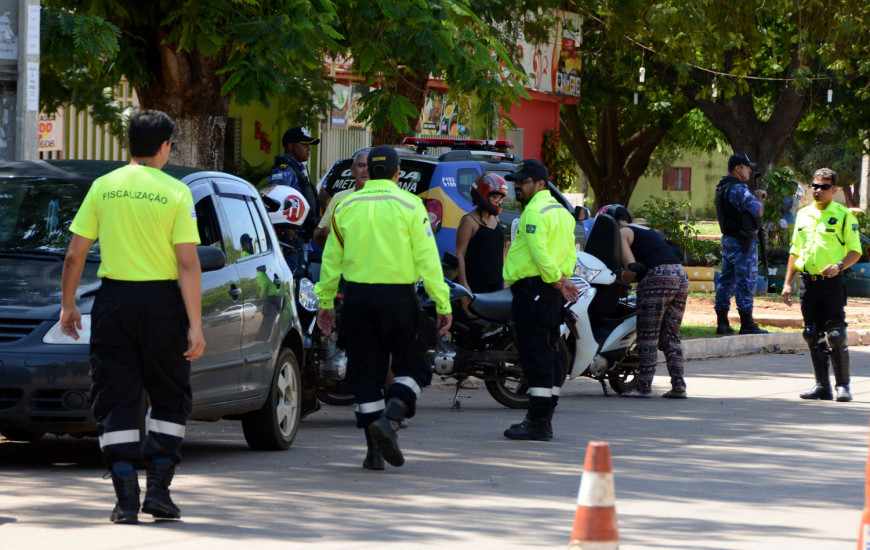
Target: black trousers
x=537 y=314
x=138 y=338
x=822 y=301
x=377 y=322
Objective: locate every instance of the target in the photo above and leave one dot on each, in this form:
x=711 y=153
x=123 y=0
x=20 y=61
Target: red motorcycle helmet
x=485 y=185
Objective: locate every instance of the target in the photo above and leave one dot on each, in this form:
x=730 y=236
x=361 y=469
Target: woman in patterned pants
x=661 y=301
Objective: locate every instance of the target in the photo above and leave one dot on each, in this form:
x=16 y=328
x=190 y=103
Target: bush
x=679 y=229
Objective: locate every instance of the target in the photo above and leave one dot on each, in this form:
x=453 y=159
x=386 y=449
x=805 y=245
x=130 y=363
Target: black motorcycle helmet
x=616 y=211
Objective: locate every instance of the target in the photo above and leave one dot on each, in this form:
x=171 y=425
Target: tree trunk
x=852 y=194
x=186 y=87
x=762 y=140
x=613 y=168
x=411 y=87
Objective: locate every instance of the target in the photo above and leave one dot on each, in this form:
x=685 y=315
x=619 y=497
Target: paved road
x=742 y=464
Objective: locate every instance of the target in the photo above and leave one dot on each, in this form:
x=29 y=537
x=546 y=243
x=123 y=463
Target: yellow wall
x=269 y=124
x=707 y=170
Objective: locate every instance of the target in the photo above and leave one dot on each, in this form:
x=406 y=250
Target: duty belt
x=808 y=277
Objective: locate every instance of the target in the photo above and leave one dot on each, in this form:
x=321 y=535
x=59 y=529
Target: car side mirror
x=210 y=258
x=581 y=213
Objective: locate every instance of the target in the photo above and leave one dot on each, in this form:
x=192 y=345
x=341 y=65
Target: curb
x=747 y=344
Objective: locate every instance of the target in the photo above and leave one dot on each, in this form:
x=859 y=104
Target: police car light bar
x=459 y=144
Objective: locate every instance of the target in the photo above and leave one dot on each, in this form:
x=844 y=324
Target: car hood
x=31 y=287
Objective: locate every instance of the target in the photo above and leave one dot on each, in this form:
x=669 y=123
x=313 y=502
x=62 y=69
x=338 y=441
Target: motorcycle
x=325 y=365
x=480 y=343
x=597 y=338
x=603 y=331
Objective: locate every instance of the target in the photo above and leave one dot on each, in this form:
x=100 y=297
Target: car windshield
x=35 y=215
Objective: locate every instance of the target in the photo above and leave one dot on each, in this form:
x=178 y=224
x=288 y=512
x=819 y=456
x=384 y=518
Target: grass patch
x=693 y=332
x=707 y=227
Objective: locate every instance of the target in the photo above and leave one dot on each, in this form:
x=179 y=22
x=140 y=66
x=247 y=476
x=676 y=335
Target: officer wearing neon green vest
x=146 y=318
x=382 y=243
x=537 y=268
x=825 y=242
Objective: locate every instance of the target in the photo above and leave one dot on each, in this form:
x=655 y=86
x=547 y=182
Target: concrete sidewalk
x=746 y=344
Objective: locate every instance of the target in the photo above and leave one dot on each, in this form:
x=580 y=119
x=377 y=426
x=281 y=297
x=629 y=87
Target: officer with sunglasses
x=824 y=244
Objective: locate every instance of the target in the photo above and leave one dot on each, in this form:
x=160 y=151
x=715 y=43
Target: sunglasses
x=822 y=186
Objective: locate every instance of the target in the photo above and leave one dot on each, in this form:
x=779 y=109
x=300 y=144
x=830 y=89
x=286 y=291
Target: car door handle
x=235 y=292
x=277 y=281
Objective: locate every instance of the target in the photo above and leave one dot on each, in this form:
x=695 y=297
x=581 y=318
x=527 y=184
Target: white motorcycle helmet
x=285 y=205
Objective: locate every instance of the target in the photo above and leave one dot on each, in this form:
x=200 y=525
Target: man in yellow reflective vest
x=824 y=244
x=537 y=267
x=382 y=243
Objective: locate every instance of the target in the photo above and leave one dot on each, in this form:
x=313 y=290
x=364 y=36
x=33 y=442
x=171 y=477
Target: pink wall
x=535 y=117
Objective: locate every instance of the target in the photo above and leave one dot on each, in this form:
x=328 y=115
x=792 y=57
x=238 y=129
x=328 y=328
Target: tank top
x=484 y=259
x=650 y=249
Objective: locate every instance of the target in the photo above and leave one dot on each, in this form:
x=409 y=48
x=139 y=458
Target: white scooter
x=602 y=337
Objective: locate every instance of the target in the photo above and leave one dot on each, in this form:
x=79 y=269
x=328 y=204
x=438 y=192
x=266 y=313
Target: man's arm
x=190 y=281
x=73 y=264
x=789 y=277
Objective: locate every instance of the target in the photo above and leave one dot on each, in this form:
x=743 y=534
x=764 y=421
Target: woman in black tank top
x=661 y=302
x=480 y=238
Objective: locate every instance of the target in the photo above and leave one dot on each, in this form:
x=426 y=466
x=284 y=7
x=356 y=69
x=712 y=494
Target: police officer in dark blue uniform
x=739 y=212
x=289 y=169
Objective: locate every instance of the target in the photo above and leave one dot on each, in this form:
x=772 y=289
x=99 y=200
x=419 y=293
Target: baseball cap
x=529 y=168
x=383 y=162
x=298 y=134
x=739 y=159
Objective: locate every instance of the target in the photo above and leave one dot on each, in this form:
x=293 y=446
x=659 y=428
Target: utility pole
x=19 y=79
x=865 y=176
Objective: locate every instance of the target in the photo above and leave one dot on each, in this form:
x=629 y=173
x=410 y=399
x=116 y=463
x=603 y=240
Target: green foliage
x=462 y=41
x=257 y=174
x=672 y=219
x=559 y=162
x=780 y=184
x=76 y=53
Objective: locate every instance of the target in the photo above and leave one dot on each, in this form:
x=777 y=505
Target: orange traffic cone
x=864 y=532
x=595 y=520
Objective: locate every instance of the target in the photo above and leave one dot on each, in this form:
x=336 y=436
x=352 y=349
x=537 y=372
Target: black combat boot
x=127 y=491
x=373 y=460
x=722 y=325
x=383 y=430
x=157 y=501
x=822 y=389
x=840 y=362
x=538 y=429
x=747 y=325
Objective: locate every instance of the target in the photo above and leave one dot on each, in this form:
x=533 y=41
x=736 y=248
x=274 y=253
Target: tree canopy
x=754 y=69
x=190 y=57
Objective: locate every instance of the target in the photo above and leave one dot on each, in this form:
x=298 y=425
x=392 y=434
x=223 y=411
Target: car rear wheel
x=21 y=435
x=339 y=399
x=274 y=427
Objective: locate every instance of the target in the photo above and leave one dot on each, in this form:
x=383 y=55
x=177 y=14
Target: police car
x=444 y=182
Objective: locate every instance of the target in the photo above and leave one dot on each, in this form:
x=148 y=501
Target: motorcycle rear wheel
x=625 y=378
x=509 y=387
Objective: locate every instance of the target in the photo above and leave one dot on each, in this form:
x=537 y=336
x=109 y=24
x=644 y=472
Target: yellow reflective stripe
x=337 y=232
x=375 y=198
x=119 y=437
x=164 y=427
